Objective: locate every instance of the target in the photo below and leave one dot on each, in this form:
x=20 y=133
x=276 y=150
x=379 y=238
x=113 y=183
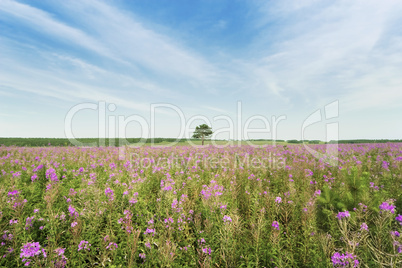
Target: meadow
x=182 y=206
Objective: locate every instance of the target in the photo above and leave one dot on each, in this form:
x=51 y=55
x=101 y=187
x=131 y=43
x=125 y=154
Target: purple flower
x=227 y=219
x=29 y=222
x=385 y=165
x=31 y=250
x=61 y=260
x=395 y=233
x=9 y=250
x=278 y=200
x=364 y=226
x=51 y=174
x=399 y=219
x=48 y=187
x=133 y=201
x=73 y=212
x=73 y=224
x=34 y=177
x=59 y=251
x=142 y=255
x=207 y=251
x=109 y=194
x=386 y=206
x=62 y=216
x=84 y=245
x=149 y=231
x=167 y=221
x=275 y=224
x=316 y=193
x=7 y=237
x=14 y=193
x=38 y=168
x=112 y=246
x=213 y=190
x=344 y=214
x=344 y=260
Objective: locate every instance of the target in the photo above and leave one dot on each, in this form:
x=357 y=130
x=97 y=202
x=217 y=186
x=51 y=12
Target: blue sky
x=275 y=58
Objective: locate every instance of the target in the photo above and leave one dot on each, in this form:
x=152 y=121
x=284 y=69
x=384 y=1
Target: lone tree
x=202 y=131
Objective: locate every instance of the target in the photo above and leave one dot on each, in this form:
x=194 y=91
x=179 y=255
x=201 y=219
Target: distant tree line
x=40 y=142
x=344 y=141
x=305 y=141
x=366 y=141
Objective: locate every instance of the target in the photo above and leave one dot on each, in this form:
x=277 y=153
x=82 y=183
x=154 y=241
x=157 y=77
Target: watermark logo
x=330 y=153
x=200 y=160
x=112 y=128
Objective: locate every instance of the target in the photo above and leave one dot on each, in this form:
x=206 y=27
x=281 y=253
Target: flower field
x=275 y=206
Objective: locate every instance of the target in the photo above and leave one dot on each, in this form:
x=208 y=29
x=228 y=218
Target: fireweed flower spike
x=73 y=212
x=399 y=219
x=364 y=226
x=30 y=250
x=112 y=246
x=278 y=200
x=29 y=222
x=109 y=194
x=344 y=260
x=142 y=256
x=61 y=260
x=385 y=206
x=207 y=251
x=227 y=219
x=344 y=214
x=395 y=233
x=84 y=245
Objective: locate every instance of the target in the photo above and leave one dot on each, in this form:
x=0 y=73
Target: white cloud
x=302 y=55
x=137 y=44
x=324 y=52
x=44 y=22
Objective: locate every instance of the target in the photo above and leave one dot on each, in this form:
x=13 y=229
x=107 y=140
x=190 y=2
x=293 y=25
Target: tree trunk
x=202 y=139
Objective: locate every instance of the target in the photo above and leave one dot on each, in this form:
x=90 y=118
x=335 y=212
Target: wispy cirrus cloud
x=290 y=56
x=130 y=57
x=44 y=23
x=325 y=50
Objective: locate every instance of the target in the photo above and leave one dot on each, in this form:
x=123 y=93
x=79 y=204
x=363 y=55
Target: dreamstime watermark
x=112 y=128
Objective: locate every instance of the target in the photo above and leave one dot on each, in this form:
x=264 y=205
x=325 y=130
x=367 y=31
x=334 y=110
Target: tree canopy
x=202 y=131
